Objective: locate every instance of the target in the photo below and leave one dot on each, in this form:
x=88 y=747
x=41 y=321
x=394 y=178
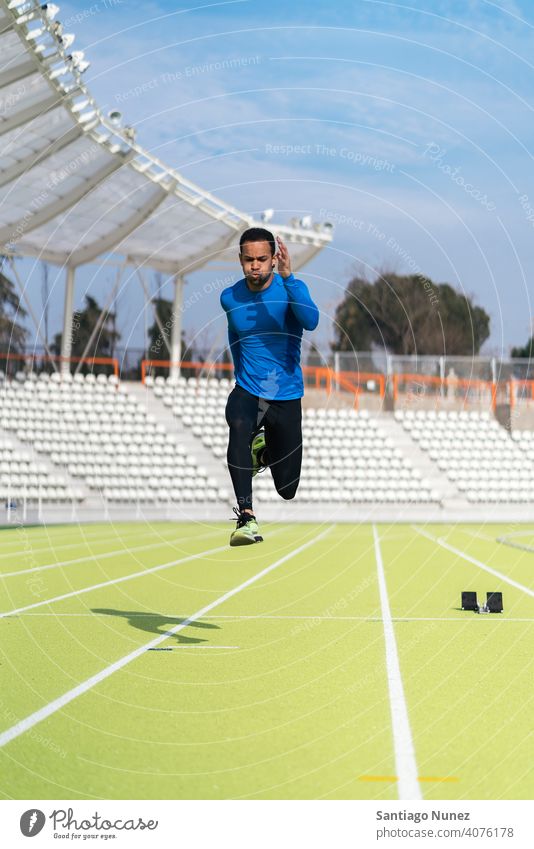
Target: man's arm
x=235 y=350
x=302 y=306
x=233 y=338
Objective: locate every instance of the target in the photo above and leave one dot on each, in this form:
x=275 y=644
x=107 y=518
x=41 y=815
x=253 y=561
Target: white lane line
x=523 y=533
x=50 y=539
x=115 y=581
x=505 y=541
x=95 y=539
x=473 y=560
x=476 y=535
x=405 y=763
x=124 y=550
x=82 y=539
x=57 y=704
x=118 y=580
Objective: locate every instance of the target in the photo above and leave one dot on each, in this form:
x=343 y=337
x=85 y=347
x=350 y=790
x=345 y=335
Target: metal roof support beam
x=61 y=205
x=34 y=159
x=29 y=307
x=113 y=239
x=66 y=339
x=176 y=329
x=20 y=72
x=220 y=246
x=308 y=255
x=28 y=114
x=6 y=24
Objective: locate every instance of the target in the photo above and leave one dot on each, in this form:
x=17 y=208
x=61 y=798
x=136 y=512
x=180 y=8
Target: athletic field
x=331 y=661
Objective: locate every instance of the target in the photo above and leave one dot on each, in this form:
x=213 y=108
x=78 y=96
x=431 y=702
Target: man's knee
x=240 y=426
x=288 y=490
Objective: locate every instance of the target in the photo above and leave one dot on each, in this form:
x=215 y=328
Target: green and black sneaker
x=247 y=531
x=258 y=444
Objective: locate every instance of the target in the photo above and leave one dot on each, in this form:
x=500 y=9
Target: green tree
x=83 y=324
x=315 y=358
x=12 y=333
x=407 y=315
x=526 y=352
x=159 y=343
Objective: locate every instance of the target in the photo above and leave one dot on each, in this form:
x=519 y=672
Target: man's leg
x=242 y=419
x=283 y=452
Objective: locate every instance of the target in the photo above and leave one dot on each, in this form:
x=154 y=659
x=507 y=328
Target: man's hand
x=284 y=260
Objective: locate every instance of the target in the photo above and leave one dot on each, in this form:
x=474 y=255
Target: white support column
x=442 y=376
x=176 y=329
x=336 y=369
x=66 y=339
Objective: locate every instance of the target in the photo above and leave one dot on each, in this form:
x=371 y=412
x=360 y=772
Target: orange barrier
x=350 y=387
x=444 y=386
x=318 y=374
x=45 y=358
x=323 y=377
x=348 y=380
x=184 y=364
x=367 y=377
x=514 y=384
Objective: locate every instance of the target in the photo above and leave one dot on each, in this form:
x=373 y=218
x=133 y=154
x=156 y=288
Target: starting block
x=493 y=603
x=469 y=601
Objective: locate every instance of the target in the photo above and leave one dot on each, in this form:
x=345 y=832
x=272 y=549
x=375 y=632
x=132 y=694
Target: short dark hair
x=257 y=234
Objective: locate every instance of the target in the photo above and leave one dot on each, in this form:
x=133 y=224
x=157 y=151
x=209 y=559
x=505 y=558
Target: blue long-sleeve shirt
x=265 y=333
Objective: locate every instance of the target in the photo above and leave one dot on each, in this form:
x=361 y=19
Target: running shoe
x=258 y=444
x=247 y=531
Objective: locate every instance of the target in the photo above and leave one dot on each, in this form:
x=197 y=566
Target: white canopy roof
x=74 y=187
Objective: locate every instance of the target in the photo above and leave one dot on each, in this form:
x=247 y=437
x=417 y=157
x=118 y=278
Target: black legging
x=246 y=414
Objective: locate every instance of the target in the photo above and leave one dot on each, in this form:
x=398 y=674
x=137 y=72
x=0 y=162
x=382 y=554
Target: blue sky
x=414 y=121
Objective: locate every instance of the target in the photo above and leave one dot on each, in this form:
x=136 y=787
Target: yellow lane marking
x=394 y=778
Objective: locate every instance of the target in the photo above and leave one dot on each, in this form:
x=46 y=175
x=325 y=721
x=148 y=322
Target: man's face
x=257 y=263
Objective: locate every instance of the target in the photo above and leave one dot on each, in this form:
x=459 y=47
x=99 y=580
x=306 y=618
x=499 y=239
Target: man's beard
x=259 y=281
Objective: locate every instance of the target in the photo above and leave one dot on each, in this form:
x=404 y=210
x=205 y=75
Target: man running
x=267 y=312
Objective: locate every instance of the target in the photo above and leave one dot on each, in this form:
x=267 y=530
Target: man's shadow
x=155 y=623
